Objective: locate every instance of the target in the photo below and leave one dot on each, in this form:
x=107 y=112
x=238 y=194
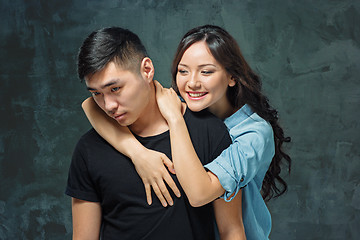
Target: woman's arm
x=201 y=187
x=229 y=218
x=149 y=164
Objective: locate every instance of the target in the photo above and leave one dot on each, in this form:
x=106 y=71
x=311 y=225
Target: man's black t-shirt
x=99 y=173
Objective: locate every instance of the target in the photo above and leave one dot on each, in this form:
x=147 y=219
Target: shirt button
x=242 y=179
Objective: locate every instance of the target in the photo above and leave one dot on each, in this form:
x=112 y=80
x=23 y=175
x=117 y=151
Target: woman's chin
x=196 y=107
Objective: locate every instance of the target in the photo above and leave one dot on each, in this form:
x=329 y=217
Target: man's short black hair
x=110 y=44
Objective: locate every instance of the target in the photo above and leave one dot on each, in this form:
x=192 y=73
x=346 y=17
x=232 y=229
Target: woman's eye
x=182 y=71
x=206 y=72
x=95 y=93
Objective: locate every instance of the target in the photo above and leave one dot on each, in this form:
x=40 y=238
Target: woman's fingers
x=169 y=164
x=170 y=182
x=158 y=87
x=148 y=193
x=165 y=193
x=159 y=194
x=159 y=186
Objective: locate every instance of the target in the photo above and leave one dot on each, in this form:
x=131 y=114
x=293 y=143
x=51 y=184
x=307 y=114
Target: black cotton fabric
x=99 y=173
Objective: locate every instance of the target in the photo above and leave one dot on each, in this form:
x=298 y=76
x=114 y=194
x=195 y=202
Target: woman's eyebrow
x=199 y=66
x=207 y=65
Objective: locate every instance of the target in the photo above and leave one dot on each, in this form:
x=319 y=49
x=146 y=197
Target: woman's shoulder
x=252 y=125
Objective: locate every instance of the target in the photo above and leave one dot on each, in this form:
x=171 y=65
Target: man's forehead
x=107 y=76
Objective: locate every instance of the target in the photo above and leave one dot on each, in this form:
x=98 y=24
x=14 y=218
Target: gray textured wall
x=307 y=53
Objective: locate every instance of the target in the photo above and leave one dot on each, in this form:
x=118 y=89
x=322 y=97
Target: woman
x=209 y=72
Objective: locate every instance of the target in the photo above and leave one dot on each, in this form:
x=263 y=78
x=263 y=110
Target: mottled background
x=307 y=53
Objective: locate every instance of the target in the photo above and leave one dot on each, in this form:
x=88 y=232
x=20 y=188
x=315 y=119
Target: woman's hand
x=149 y=165
x=169 y=103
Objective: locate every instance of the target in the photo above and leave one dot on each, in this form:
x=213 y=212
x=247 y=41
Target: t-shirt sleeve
x=80 y=184
x=237 y=165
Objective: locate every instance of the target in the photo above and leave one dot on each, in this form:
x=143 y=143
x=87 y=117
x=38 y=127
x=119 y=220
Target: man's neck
x=150 y=122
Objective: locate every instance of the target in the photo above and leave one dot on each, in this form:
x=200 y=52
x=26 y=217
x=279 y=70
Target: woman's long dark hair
x=247 y=90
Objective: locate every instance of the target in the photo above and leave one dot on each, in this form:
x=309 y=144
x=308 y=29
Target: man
x=108 y=199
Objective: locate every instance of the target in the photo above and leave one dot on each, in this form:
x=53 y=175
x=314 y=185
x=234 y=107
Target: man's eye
x=115 y=89
x=95 y=93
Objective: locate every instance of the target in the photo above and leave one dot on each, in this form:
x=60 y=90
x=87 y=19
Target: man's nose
x=193 y=82
x=110 y=104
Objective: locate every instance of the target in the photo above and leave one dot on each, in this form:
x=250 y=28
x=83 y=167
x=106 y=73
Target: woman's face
x=203 y=82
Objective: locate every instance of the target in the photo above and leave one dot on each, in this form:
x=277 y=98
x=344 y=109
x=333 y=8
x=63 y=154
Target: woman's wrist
x=135 y=151
x=175 y=120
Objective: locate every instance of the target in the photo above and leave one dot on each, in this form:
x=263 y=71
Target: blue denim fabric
x=243 y=166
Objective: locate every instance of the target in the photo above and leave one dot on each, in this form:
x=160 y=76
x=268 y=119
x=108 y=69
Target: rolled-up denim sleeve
x=237 y=165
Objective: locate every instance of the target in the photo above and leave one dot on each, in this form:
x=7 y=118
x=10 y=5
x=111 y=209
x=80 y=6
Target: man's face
x=122 y=94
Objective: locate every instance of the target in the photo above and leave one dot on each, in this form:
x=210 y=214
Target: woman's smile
x=196 y=95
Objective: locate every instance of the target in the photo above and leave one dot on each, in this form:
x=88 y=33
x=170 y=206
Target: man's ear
x=147 y=69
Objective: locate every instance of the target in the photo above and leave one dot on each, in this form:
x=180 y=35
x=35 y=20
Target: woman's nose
x=193 y=82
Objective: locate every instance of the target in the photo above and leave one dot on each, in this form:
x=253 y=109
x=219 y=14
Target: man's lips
x=118 y=117
x=196 y=95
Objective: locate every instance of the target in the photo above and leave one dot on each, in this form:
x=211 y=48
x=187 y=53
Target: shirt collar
x=240 y=115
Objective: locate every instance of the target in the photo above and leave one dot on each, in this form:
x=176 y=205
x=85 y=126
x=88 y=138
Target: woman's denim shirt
x=243 y=166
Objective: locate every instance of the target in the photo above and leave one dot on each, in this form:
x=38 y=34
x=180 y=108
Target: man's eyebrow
x=112 y=82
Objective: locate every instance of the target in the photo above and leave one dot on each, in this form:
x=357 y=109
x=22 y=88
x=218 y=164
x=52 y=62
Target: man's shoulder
x=90 y=137
x=203 y=119
x=91 y=143
x=208 y=133
x=204 y=124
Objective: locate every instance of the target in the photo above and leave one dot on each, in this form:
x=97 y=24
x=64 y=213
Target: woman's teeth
x=196 y=94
